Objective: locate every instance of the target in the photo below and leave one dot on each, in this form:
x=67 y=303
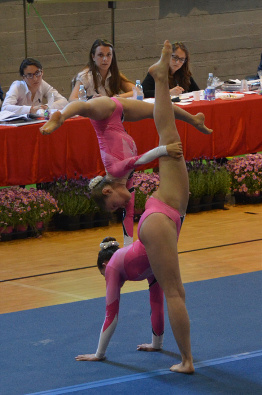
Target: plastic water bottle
x=139 y=89
x=47 y=113
x=82 y=93
x=210 y=89
x=51 y=101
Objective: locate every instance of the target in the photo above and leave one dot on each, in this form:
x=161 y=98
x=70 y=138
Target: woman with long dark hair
x=180 y=78
x=101 y=75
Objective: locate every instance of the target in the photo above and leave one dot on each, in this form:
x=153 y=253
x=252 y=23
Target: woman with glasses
x=101 y=76
x=32 y=93
x=179 y=76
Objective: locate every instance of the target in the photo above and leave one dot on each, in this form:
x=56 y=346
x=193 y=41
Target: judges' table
x=27 y=157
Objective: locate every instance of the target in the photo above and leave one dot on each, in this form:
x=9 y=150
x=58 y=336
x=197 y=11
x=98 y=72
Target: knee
x=172 y=291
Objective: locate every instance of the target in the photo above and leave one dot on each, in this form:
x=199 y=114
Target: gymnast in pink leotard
x=120 y=265
x=119 y=156
x=153 y=206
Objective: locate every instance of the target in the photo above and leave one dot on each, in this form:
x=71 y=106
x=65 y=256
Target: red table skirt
x=27 y=157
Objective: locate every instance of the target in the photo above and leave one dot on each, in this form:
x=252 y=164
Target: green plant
x=222 y=181
x=73 y=195
x=207 y=177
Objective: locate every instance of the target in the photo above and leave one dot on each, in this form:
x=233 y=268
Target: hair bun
x=108 y=244
x=95 y=181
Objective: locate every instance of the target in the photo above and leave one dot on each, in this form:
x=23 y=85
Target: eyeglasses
x=37 y=74
x=177 y=59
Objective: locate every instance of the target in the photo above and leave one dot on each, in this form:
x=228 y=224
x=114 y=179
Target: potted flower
x=217 y=184
x=222 y=185
x=41 y=208
x=76 y=205
x=209 y=183
x=196 y=185
x=21 y=208
x=246 y=178
x=145 y=184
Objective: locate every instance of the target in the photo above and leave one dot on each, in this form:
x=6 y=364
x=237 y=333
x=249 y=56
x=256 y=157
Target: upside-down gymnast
x=118 y=150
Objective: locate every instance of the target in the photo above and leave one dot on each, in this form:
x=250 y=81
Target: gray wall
x=224 y=37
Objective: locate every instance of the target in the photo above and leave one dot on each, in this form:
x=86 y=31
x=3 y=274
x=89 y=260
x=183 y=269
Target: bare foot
x=88 y=357
x=199 y=123
x=186 y=368
x=54 y=123
x=159 y=69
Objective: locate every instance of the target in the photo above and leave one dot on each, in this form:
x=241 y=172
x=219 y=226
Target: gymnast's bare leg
x=158 y=233
x=134 y=110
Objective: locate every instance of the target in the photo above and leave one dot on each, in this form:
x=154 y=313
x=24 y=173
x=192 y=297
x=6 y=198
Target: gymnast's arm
x=174 y=150
x=157 y=317
x=119 y=168
x=113 y=287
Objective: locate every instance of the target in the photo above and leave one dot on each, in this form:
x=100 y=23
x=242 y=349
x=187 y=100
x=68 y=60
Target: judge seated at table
x=179 y=75
x=32 y=93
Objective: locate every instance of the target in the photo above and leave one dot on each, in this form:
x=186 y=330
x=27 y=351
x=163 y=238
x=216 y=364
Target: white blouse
x=19 y=98
x=86 y=78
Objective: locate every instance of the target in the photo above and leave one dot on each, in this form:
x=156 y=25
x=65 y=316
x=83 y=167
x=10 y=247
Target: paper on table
x=150 y=100
x=251 y=93
x=237 y=81
x=23 y=123
x=5 y=114
x=184 y=103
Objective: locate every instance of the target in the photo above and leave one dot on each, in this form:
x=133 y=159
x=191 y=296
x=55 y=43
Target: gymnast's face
x=116 y=197
x=103 y=270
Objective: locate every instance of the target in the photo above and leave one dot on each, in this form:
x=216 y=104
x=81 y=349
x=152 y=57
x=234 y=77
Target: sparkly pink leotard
x=118 y=149
x=154 y=205
x=119 y=156
x=130 y=263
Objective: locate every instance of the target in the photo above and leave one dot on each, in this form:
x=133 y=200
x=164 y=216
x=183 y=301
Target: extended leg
x=97 y=109
x=136 y=110
x=158 y=233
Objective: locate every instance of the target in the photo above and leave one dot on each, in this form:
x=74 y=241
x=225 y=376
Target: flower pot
x=67 y=222
x=39 y=225
x=87 y=220
x=6 y=234
x=245 y=198
x=101 y=219
x=21 y=232
x=137 y=214
x=206 y=203
x=219 y=201
x=193 y=205
x=253 y=198
x=240 y=198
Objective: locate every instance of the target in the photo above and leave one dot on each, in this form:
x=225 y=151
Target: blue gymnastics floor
x=38 y=346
